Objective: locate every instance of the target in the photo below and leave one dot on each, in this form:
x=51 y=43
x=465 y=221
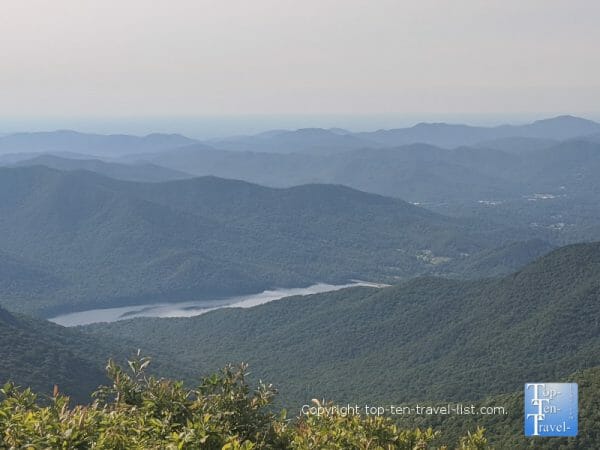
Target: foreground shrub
x=143 y=412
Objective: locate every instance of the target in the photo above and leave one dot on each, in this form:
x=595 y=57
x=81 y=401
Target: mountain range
x=89 y=144
x=536 y=184
x=305 y=140
x=131 y=172
x=321 y=141
x=317 y=141
x=450 y=136
x=108 y=242
x=554 y=156
x=416 y=172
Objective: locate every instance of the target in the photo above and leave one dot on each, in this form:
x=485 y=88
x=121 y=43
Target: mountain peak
x=567 y=119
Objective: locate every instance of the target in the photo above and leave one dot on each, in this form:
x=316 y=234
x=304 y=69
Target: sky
x=107 y=59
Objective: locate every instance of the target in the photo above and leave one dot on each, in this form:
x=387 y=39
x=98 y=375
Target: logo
x=551 y=409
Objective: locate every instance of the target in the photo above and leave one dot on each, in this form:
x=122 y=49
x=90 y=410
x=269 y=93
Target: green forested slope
x=130 y=172
x=112 y=242
x=20 y=278
x=502 y=260
x=426 y=339
x=38 y=354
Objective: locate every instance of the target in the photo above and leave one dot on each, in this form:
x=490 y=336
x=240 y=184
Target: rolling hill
x=417 y=172
x=451 y=136
x=550 y=190
x=38 y=354
x=129 y=172
x=503 y=260
x=115 y=243
x=21 y=277
x=89 y=144
x=325 y=142
x=503 y=163
x=305 y=140
x=593 y=138
x=517 y=144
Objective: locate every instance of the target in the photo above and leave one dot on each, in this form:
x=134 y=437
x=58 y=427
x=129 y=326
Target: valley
x=480 y=260
x=110 y=243
x=448 y=340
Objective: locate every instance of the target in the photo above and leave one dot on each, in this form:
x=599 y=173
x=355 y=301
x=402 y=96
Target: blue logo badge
x=551 y=409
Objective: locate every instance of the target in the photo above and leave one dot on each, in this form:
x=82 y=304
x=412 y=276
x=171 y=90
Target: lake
x=192 y=308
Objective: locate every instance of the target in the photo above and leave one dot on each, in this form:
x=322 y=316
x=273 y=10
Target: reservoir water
x=191 y=308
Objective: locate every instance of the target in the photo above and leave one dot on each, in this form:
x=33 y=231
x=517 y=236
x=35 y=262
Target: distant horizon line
x=206 y=127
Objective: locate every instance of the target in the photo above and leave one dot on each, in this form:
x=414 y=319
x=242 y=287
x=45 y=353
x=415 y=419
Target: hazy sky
x=199 y=57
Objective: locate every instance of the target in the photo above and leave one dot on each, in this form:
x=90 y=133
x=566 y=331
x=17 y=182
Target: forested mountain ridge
x=544 y=183
x=39 y=354
x=129 y=172
x=550 y=188
x=305 y=140
x=115 y=243
x=451 y=135
x=447 y=135
x=427 y=338
x=21 y=277
x=316 y=141
x=413 y=172
x=90 y=144
x=500 y=261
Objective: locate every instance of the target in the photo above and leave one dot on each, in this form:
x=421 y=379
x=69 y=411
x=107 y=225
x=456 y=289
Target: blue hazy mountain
x=517 y=144
x=130 y=172
x=325 y=142
x=449 y=135
x=89 y=144
x=415 y=172
x=305 y=140
x=593 y=137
